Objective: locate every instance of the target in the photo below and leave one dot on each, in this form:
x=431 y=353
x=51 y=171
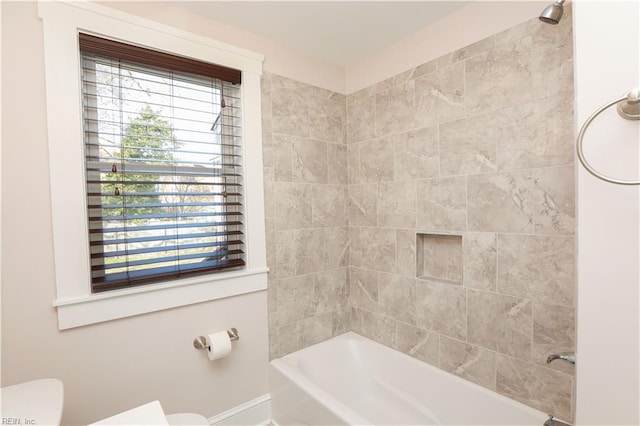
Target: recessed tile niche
x=439 y=257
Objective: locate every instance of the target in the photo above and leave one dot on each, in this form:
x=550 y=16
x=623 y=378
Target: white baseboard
x=252 y=413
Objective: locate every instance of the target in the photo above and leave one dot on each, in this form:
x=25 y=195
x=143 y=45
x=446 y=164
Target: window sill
x=101 y=307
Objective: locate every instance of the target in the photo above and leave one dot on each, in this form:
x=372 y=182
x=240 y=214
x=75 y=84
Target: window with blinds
x=163 y=149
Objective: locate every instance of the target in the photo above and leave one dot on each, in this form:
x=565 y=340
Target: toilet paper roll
x=219 y=345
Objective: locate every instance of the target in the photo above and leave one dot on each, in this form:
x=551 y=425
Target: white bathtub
x=351 y=380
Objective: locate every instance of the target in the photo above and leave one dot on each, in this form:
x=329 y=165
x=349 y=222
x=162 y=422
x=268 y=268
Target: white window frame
x=76 y=305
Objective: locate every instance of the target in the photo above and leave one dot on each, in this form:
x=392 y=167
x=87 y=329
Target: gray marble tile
x=265 y=92
x=379 y=328
x=314 y=330
x=426 y=68
x=401 y=78
x=283 y=340
x=327 y=120
x=309 y=162
x=362 y=205
x=500 y=76
x=341 y=321
x=416 y=154
x=513 y=34
x=355 y=320
x=355 y=246
x=396 y=204
x=441 y=308
x=440 y=96
x=395 y=109
x=321 y=249
x=293 y=205
x=554 y=200
x=553 y=332
x=396 y=297
x=328 y=205
x=353 y=164
x=269 y=193
x=296 y=299
x=361 y=118
x=378 y=249
x=554 y=77
x=376 y=160
x=465 y=52
x=338 y=97
x=337 y=166
x=279 y=82
x=473 y=363
x=331 y=290
x=552 y=61
x=268 y=156
x=442 y=203
x=500 y=202
x=367 y=92
x=537 y=267
x=500 y=323
x=267 y=130
x=440 y=257
x=270 y=241
x=285 y=253
x=282 y=157
x=363 y=288
x=480 y=260
x=290 y=111
x=547 y=390
x=381 y=86
x=524 y=143
x=406 y=252
x=469 y=145
x=418 y=343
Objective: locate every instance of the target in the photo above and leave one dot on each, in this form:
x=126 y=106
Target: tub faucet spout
x=552 y=422
x=570 y=358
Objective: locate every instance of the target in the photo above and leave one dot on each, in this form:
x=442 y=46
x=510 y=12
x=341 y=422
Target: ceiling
x=338 y=32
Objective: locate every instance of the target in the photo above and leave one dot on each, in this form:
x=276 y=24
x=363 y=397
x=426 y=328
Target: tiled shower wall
x=457 y=183
x=477 y=144
x=305 y=166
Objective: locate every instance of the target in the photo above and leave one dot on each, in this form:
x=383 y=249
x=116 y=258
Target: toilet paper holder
x=200 y=342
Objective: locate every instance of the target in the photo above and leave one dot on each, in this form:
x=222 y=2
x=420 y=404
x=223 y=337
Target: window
x=163 y=151
x=110 y=98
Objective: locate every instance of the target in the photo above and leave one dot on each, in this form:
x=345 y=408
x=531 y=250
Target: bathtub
x=351 y=380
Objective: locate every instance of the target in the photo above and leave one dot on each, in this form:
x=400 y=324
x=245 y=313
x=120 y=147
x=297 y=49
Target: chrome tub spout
x=570 y=358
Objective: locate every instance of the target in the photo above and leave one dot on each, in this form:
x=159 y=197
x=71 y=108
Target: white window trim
x=76 y=305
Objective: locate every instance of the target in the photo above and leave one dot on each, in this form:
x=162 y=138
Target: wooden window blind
x=163 y=155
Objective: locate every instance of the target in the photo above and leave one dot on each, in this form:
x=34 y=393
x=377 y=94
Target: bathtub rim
x=287 y=365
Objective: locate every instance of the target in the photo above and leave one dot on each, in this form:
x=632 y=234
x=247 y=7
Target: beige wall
x=278 y=58
x=607 y=38
x=109 y=367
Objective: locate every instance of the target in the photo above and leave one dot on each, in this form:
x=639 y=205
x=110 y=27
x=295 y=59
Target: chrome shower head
x=552 y=13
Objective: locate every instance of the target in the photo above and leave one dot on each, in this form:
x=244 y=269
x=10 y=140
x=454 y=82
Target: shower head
x=552 y=13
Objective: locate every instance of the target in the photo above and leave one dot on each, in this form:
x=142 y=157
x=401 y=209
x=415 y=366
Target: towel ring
x=628 y=108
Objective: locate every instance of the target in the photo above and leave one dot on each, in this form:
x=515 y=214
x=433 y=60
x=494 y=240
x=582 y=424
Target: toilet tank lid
x=39 y=401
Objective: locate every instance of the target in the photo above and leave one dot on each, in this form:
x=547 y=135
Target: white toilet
x=187 y=419
x=40 y=402
x=37 y=402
